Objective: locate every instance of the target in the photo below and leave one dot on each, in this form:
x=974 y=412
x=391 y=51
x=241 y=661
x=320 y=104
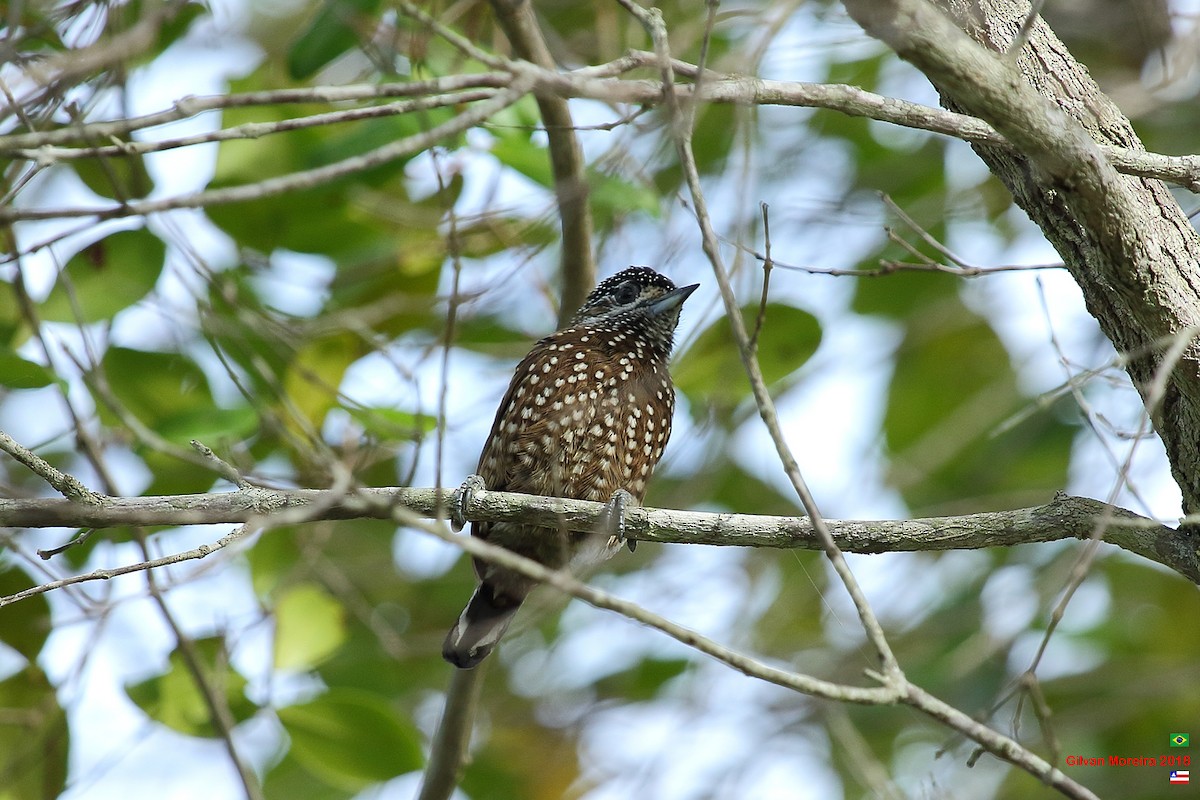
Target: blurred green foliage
x=264 y=385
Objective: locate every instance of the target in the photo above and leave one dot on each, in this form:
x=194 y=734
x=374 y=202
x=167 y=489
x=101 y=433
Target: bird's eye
x=627 y=293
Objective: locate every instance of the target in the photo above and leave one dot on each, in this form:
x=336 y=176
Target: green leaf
x=532 y=160
x=643 y=680
x=17 y=373
x=400 y=292
x=613 y=198
x=176 y=25
x=313 y=378
x=492 y=235
x=174 y=699
x=155 y=387
x=317 y=220
x=309 y=626
x=711 y=375
x=901 y=294
x=949 y=427
x=24 y=626
x=337 y=27
x=289 y=780
x=106 y=277
x=120 y=177
x=493 y=335
x=715 y=127
x=350 y=739
x=34 y=738
x=391 y=424
x=13 y=330
x=210 y=425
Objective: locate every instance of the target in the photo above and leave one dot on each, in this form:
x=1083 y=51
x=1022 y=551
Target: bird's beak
x=671 y=300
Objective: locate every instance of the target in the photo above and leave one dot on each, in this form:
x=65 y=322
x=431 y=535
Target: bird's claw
x=614 y=518
x=461 y=500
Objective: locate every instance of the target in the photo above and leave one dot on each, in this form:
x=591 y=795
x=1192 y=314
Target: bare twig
x=565 y=582
x=887 y=694
x=191 y=105
x=295 y=181
x=46 y=154
x=890 y=267
x=891 y=675
x=1079 y=571
x=767 y=264
x=1022 y=38
x=66 y=485
x=220 y=466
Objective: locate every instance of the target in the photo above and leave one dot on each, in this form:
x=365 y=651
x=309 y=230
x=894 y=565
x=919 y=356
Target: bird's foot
x=613 y=520
x=461 y=500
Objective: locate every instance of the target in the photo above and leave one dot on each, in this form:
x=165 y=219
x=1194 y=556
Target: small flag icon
x=1181 y=740
x=1180 y=776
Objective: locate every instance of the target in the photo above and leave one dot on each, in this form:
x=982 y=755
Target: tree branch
x=577 y=263
x=716 y=88
x=67 y=485
x=295 y=181
x=191 y=106
x=681 y=129
x=47 y=155
x=448 y=750
x=1065 y=517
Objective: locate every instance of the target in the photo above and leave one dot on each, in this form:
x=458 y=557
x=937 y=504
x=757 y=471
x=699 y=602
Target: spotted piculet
x=586 y=416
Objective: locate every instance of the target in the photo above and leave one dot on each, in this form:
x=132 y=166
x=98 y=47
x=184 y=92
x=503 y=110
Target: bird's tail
x=479 y=627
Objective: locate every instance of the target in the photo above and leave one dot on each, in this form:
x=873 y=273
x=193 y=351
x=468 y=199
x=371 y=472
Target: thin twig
x=1082 y=567
x=48 y=155
x=220 y=466
x=598 y=83
x=295 y=181
x=767 y=265
x=565 y=582
x=1022 y=38
x=67 y=485
x=192 y=105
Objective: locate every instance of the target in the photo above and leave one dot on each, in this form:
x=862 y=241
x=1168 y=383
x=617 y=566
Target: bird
x=586 y=416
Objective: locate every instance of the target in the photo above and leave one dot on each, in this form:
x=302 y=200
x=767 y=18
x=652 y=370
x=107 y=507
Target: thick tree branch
x=1065 y=517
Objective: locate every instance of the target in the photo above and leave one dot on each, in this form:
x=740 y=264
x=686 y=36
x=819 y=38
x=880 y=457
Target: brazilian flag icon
x=1181 y=740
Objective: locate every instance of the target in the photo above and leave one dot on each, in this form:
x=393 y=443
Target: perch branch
x=1064 y=517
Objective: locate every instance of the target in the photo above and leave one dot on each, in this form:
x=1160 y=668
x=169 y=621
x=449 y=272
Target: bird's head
x=638 y=298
